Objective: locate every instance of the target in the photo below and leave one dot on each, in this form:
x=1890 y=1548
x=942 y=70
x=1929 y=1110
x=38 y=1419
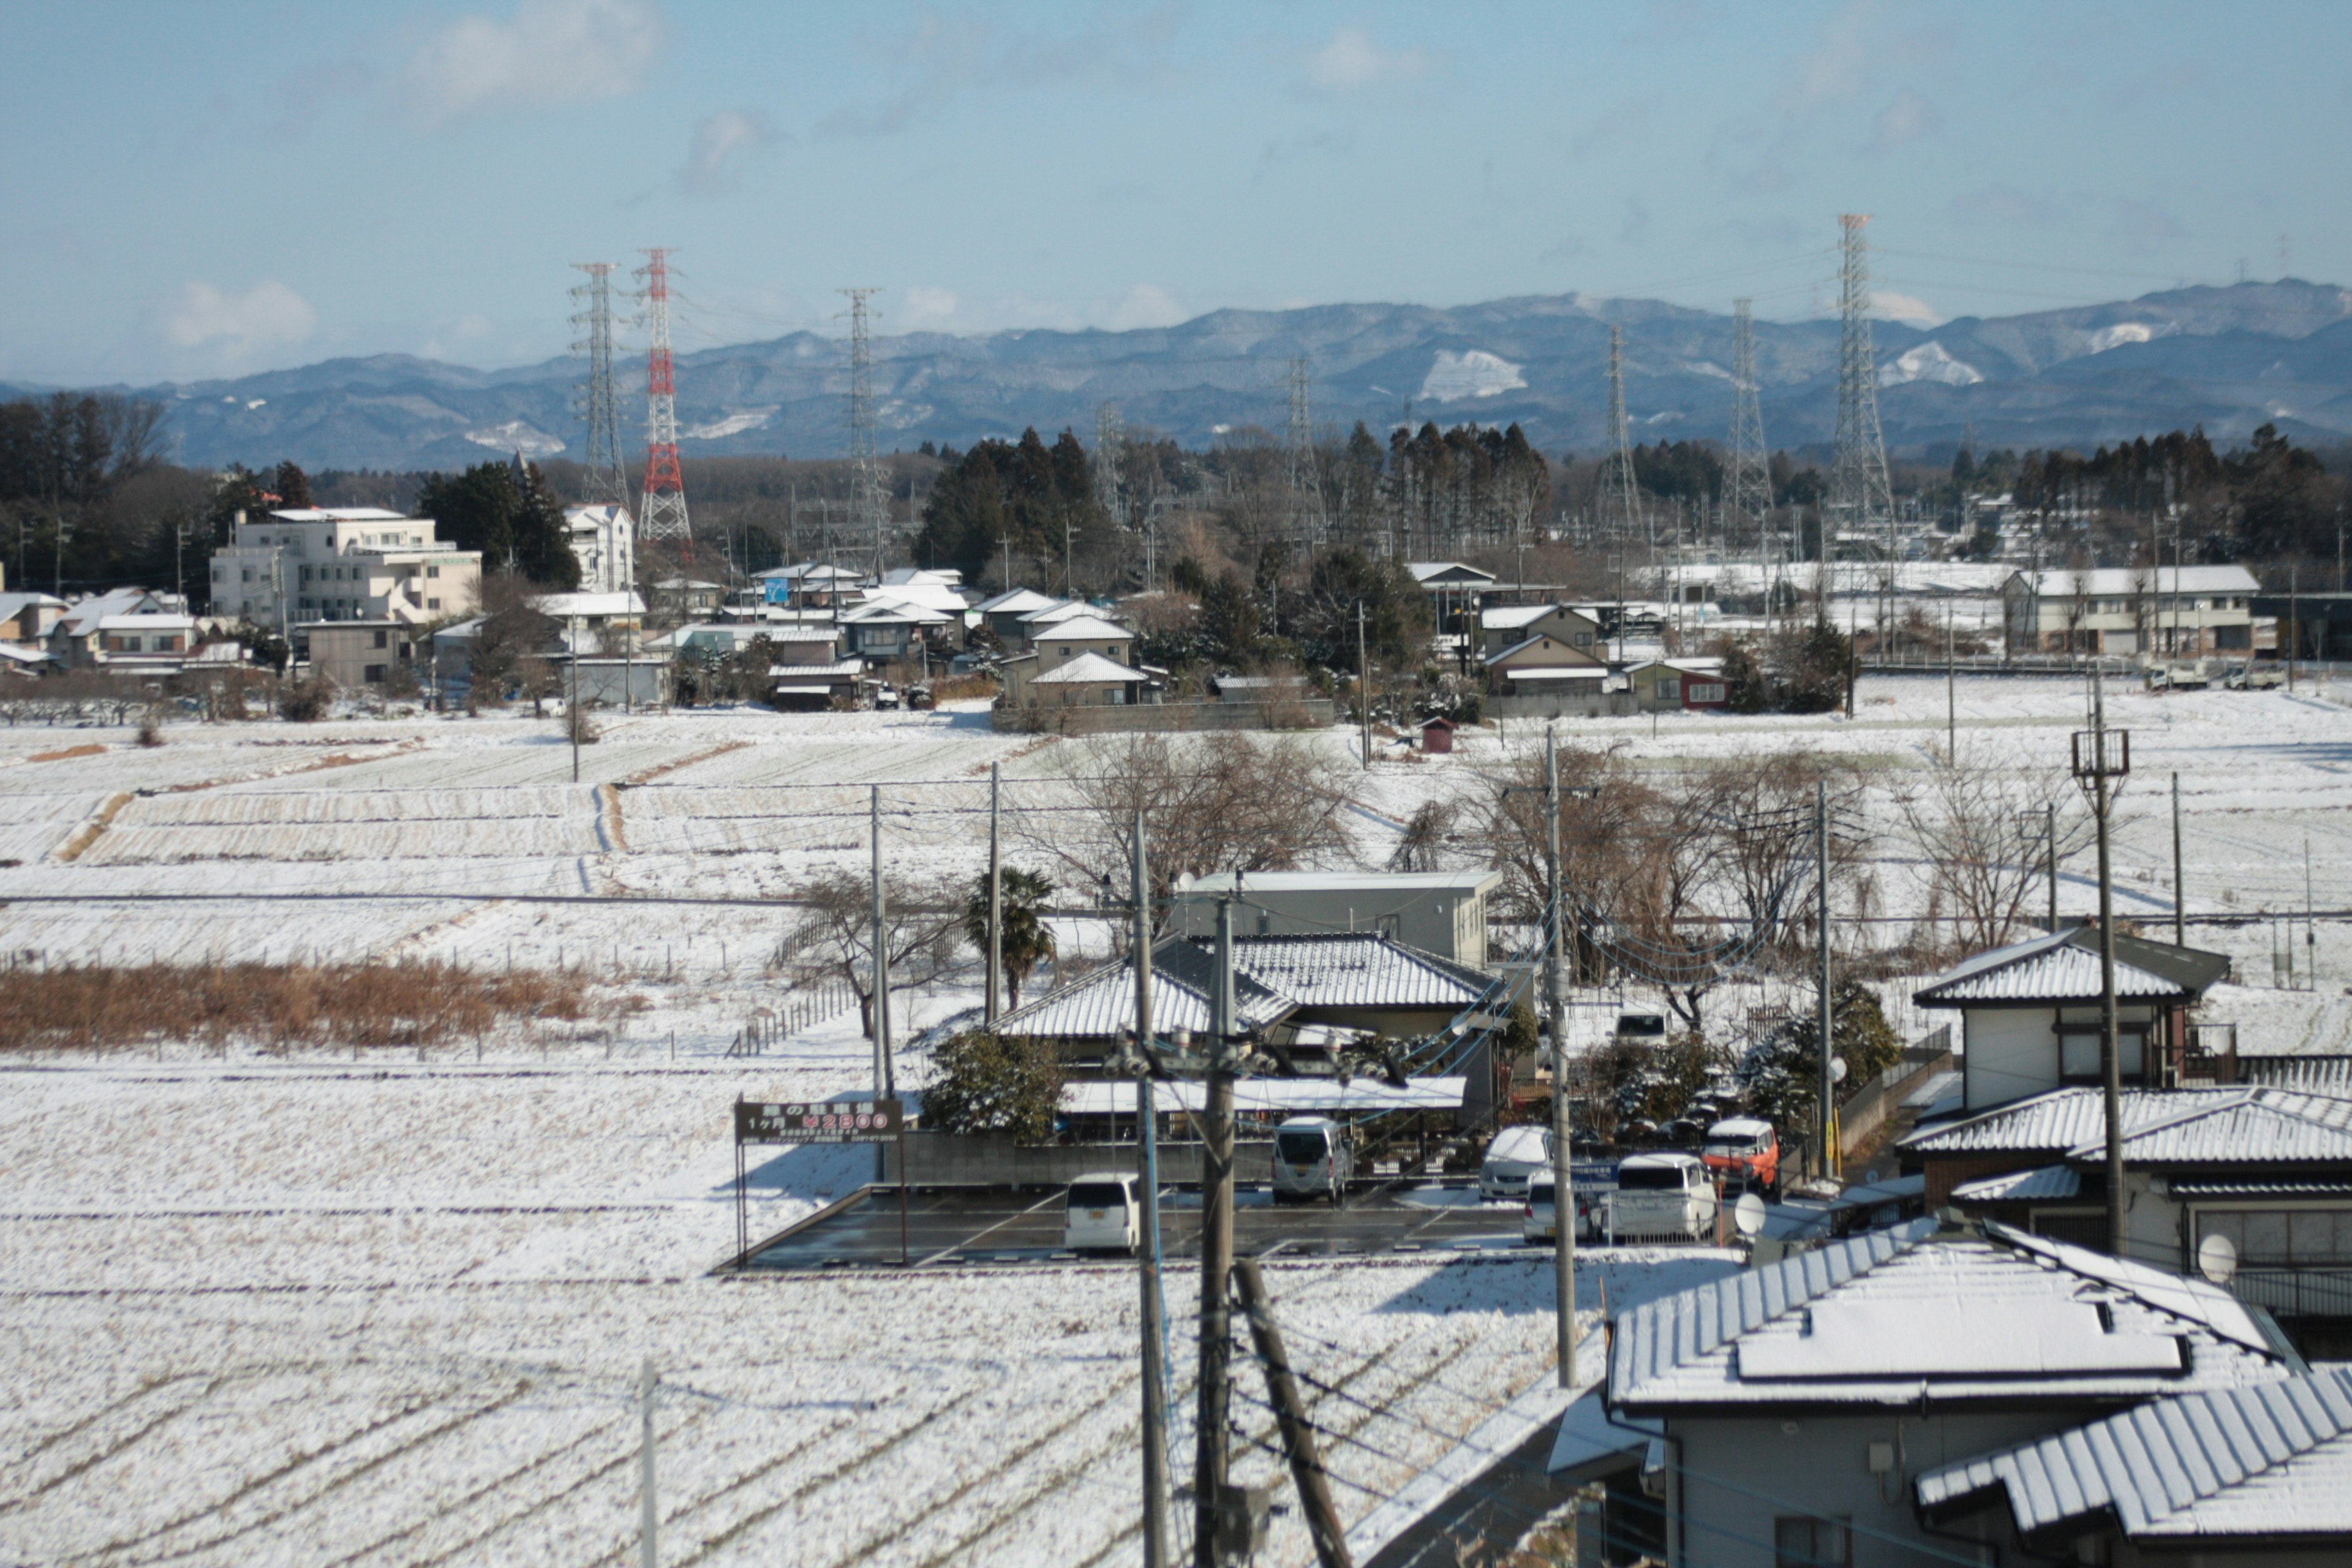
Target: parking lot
x=961 y=1227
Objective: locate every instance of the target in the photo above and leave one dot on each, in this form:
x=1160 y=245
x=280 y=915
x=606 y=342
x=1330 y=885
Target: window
x=433 y=571
x=220 y=574
x=381 y=636
x=249 y=577
x=2078 y=1052
x=432 y=603
x=2283 y=1238
x=372 y=674
x=1802 y=1542
x=1708 y=691
x=1583 y=639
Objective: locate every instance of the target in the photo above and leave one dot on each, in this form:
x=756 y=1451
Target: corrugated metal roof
x=2238 y=1124
x=2056 y=972
x=1087 y=669
x=1102 y=1004
x=2306 y=1074
x=2255 y=1187
x=2045 y=1184
x=1360 y=970
x=1117 y=1098
x=1683 y=1350
x=2112 y=581
x=2271 y=1460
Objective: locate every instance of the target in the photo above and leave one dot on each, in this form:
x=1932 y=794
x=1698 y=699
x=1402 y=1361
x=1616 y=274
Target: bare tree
x=1982 y=829
x=832 y=934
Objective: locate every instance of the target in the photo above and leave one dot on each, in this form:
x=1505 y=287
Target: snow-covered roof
x=1063 y=610
x=939 y=598
x=1525 y=673
x=2118 y=581
x=1501 y=655
x=1102 y=1004
x=563 y=606
x=342 y=514
x=1082 y=629
x=17 y=653
x=2063 y=967
x=1477 y=879
x=14 y=605
x=848 y=668
x=1510 y=617
x=807 y=572
x=1263 y=1094
x=2273 y=1460
x=1017 y=602
x=2043 y=1183
x=1446 y=572
x=2310 y=1075
x=2236 y=1125
x=1741 y=1126
x=146 y=621
x=599 y=516
x=1362 y=969
x=84 y=617
x=1088 y=669
x=1968 y=1313
x=927 y=576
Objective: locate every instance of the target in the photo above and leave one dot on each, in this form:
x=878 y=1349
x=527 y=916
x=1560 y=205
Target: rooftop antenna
x=606 y=482
x=867 y=508
x=663 y=515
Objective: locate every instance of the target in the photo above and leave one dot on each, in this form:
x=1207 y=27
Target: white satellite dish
x=2217 y=1258
x=1747 y=1214
x=1837 y=1069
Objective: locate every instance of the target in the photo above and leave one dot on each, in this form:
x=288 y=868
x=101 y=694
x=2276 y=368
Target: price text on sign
x=840 y=1121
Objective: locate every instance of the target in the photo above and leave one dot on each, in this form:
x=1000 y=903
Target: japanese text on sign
x=839 y=1121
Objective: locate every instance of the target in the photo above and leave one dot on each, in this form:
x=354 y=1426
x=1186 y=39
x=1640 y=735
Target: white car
x=1662 y=1197
x=1542 y=1216
x=1514 y=1155
x=1312 y=1159
x=1103 y=1214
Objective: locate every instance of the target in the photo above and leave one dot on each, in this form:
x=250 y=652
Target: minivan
x=1660 y=1195
x=1312 y=1159
x=1514 y=1155
x=1103 y=1214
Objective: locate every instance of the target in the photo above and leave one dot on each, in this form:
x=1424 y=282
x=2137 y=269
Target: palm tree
x=1028 y=940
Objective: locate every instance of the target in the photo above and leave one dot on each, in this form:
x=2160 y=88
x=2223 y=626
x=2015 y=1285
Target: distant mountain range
x=2227 y=358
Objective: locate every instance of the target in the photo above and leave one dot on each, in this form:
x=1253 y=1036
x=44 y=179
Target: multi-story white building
x=2184 y=612
x=341 y=563
x=604 y=539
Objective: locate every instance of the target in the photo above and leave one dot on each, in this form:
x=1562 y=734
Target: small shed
x=1437 y=736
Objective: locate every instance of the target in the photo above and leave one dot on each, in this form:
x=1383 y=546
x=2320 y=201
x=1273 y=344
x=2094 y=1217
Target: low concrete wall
x=1601 y=705
x=1304 y=714
x=1861 y=1115
x=993 y=1160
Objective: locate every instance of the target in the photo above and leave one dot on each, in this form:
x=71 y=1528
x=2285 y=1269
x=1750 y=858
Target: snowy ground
x=319 y=1310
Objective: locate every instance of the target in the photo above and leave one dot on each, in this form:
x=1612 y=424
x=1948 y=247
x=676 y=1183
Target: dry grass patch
x=67 y=754
x=274 y=1005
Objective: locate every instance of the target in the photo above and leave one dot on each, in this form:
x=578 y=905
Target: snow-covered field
x=326 y=1311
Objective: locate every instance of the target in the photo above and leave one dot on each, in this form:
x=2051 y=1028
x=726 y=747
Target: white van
x=1660 y=1195
x=1104 y=1213
x=1513 y=1155
x=1312 y=1159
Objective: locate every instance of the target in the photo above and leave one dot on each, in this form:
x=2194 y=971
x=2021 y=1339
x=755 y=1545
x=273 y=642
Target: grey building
x=1440 y=912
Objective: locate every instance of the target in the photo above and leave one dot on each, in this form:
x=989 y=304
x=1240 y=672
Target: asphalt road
x=960 y=1229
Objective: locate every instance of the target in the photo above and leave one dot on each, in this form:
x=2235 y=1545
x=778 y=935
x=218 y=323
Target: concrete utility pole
x=2180 y=888
x=882 y=1075
x=1363 y=690
x=995 y=903
x=2293 y=629
x=1210 y=1504
x=2101 y=755
x=1147 y=1251
x=572 y=704
x=648 y=1513
x=2050 y=847
x=1826 y=1023
x=1298 y=1444
x=1563 y=1200
x=1951 y=696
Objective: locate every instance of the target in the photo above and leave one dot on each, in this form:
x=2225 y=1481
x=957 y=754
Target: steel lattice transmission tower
x=607 y=482
x=1859 y=494
x=868 y=509
x=1303 y=474
x=1110 y=445
x=663 y=514
x=1749 y=486
x=1621 y=494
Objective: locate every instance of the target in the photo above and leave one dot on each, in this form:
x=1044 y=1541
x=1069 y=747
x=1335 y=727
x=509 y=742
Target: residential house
x=1085 y=1019
x=1546 y=662
x=815 y=687
x=687 y=596
x=888 y=631
x=1438 y=913
x=1679 y=684
x=124 y=631
x=1504 y=626
x=358 y=653
x=604 y=541
x=807 y=585
x=2180 y=612
x=28 y=619
x=1065 y=639
x=1082 y=680
x=2029 y=1013
x=1791 y=1413
x=341 y=563
x=1005 y=616
x=595 y=622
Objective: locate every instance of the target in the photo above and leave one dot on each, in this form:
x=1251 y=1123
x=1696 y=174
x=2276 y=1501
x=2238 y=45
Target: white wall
x=2011 y=1052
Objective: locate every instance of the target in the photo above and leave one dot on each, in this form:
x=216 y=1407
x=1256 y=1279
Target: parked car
x=1312 y=1159
x=1746 y=1152
x=1542 y=1216
x=1513 y=1156
x=1662 y=1197
x=1103 y=1214
x=2253 y=676
x=1683 y=1132
x=886 y=697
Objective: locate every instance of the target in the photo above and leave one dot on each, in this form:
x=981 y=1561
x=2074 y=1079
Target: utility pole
x=995 y=902
x=2050 y=847
x=1563 y=1201
x=1951 y=696
x=882 y=1074
x=2180 y=888
x=2293 y=629
x=2101 y=755
x=2310 y=927
x=1363 y=690
x=572 y=704
x=1290 y=1417
x=648 y=1514
x=1147 y=1251
x=1215 y=1391
x=1824 y=1021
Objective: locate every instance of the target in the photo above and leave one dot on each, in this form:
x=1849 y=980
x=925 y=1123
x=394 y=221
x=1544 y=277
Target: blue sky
x=209 y=189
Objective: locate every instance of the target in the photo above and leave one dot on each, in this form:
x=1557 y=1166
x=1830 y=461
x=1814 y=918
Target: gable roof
x=2063 y=967
x=1017 y=602
x=2308 y=1075
x=1446 y=572
x=2274 y=1460
x=1572 y=655
x=2237 y=1125
x=1360 y=969
x=1099 y=1006
x=1899 y=1316
x=2115 y=581
x=1082 y=629
x=82 y=617
x=1087 y=669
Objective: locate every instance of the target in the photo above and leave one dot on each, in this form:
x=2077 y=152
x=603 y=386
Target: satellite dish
x=1747 y=1214
x=1837 y=1069
x=2217 y=1258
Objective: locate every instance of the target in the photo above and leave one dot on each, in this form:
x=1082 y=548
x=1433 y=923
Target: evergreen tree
x=518 y=528
x=293 y=487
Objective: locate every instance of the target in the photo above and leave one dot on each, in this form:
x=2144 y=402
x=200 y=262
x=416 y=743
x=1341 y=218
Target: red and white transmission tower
x=663 y=514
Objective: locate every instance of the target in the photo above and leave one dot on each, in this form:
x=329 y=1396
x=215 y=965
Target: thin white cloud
x=721 y=143
x=927 y=306
x=1145 y=305
x=1350 y=59
x=1907 y=117
x=235 y=326
x=1908 y=309
x=549 y=52
x=942 y=58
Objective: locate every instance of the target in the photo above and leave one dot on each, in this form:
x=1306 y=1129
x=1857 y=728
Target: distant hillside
x=2229 y=358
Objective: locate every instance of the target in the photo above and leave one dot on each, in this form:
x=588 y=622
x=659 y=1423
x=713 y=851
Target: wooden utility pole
x=1825 y=1115
x=1147 y=1250
x=2050 y=847
x=1363 y=690
x=2102 y=755
x=2179 y=888
x=882 y=1084
x=1298 y=1444
x=995 y=903
x=1563 y=1200
x=1209 y=1503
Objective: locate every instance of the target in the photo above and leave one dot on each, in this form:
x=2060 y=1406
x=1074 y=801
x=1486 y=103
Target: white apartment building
x=341 y=563
x=2182 y=612
x=603 y=539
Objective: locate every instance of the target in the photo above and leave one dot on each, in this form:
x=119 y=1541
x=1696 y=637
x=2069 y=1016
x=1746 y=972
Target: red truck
x=1746 y=1152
